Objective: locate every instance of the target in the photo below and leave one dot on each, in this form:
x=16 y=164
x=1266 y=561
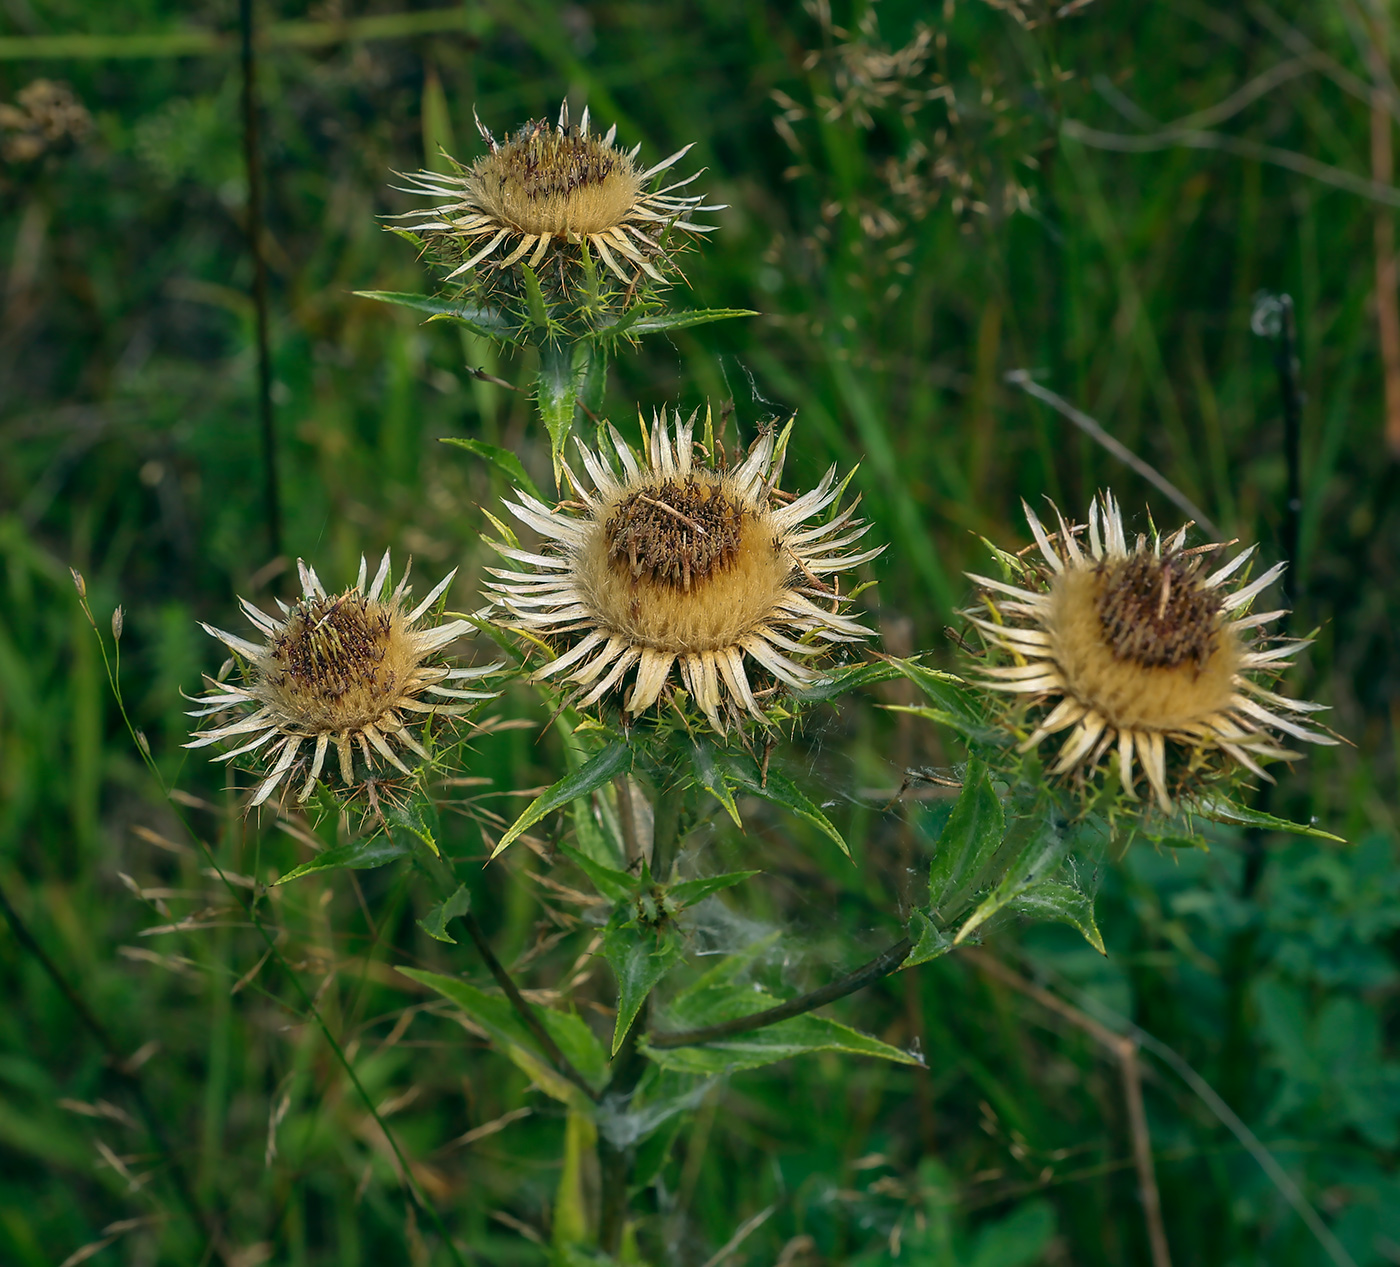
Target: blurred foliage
x=898 y=280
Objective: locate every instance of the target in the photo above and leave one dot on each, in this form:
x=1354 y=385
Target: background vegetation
x=908 y=240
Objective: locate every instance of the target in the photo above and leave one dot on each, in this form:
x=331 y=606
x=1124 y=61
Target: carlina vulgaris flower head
x=549 y=188
x=679 y=560
x=354 y=672
x=1142 y=646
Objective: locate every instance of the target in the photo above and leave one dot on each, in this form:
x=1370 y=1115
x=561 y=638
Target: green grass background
x=129 y=448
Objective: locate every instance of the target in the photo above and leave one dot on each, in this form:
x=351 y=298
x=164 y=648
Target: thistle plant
x=677 y=616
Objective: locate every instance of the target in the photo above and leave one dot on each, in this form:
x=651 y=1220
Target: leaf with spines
x=1041 y=844
x=436 y=922
x=563 y=369
x=480 y=320
x=710 y=776
x=602 y=767
x=778 y=789
x=503 y=459
x=639 y=957
x=616 y=886
x=719 y=996
x=508 y=1033
x=636 y=321
x=688 y=892
x=358 y=855
x=1056 y=900
x=969 y=839
x=1221 y=809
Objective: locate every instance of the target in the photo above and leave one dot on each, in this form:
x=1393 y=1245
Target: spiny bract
x=345 y=669
x=675 y=561
x=1143 y=647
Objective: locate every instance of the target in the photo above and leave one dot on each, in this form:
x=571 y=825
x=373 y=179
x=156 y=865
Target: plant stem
x=886 y=962
x=446 y=879
x=253 y=161
x=615 y=1160
x=526 y=1013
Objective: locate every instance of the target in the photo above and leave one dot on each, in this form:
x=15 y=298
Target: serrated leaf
x=1056 y=900
x=601 y=768
x=436 y=921
x=952 y=706
x=710 y=777
x=838 y=682
x=779 y=790
x=358 y=855
x=688 y=892
x=616 y=886
x=974 y=830
x=796 y=1036
x=494 y=1014
x=557 y=389
x=1034 y=861
x=639 y=959
x=1220 y=809
x=534 y=299
x=502 y=458
x=930 y=941
x=414 y=823
x=594 y=379
x=684 y=320
x=479 y=320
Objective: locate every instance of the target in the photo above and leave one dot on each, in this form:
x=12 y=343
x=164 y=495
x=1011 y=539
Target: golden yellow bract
x=1141 y=648
x=350 y=670
x=673 y=562
x=546 y=188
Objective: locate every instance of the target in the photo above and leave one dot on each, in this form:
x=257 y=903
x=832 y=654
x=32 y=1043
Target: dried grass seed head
x=680 y=561
x=354 y=671
x=545 y=188
x=1143 y=647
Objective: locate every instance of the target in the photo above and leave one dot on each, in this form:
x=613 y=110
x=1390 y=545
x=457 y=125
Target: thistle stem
x=886 y=962
x=526 y=1013
x=446 y=880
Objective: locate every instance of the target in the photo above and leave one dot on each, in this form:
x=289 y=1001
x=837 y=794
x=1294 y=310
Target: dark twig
x=115 y=1060
x=1208 y=1096
x=1291 y=399
x=882 y=965
x=527 y=1014
x=1125 y=1047
x=1023 y=380
x=255 y=246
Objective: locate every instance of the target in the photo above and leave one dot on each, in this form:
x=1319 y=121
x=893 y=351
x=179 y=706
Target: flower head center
x=334 y=645
x=543 y=181
x=676 y=532
x=1155 y=612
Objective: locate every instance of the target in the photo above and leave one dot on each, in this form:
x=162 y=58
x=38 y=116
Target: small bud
x=118 y=621
x=143 y=742
x=78 y=583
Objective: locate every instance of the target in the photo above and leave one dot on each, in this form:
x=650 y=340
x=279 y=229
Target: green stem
x=616 y=1160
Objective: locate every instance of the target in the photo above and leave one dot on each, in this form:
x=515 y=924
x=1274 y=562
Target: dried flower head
x=546 y=187
x=45 y=115
x=678 y=561
x=1142 y=646
x=349 y=669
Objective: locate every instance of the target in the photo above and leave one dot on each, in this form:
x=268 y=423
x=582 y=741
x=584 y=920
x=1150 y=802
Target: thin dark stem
x=1091 y=428
x=525 y=1011
x=255 y=245
x=115 y=1061
x=886 y=962
x=1291 y=398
